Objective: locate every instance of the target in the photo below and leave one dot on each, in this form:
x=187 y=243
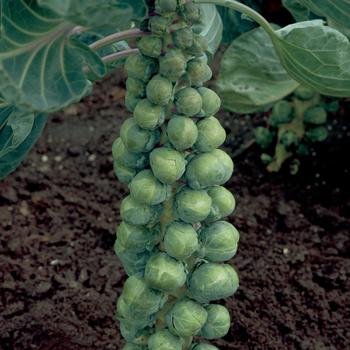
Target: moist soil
x=60 y=279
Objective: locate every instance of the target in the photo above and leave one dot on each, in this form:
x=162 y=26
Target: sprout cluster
x=173 y=240
x=293 y=126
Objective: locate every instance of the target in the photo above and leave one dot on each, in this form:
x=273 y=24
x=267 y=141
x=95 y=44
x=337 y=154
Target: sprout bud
x=182 y=132
x=164 y=273
x=180 y=240
x=219 y=241
x=318 y=134
x=164 y=340
x=160 y=90
x=209 y=169
x=193 y=206
x=134 y=334
x=173 y=64
x=204 y=347
x=167 y=164
x=264 y=137
x=148 y=115
x=140 y=67
x=198 y=72
x=136 y=213
x=166 y=7
x=211 y=135
x=138 y=140
x=304 y=93
x=130 y=346
x=183 y=38
x=315 y=115
x=150 y=45
x=131 y=101
x=145 y=188
x=211 y=102
x=127 y=159
x=223 y=203
x=158 y=25
x=218 y=322
x=289 y=138
x=200 y=45
x=186 y=318
x=124 y=174
x=136 y=238
x=212 y=281
x=191 y=13
x=188 y=102
x=282 y=113
x=136 y=87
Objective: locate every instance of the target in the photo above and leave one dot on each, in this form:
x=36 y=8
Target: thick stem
x=115 y=37
x=117 y=55
x=235 y=5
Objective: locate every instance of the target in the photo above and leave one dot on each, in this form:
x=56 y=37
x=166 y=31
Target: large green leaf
x=41 y=68
x=251 y=75
x=211 y=28
x=19 y=130
x=101 y=13
x=299 y=11
x=316 y=55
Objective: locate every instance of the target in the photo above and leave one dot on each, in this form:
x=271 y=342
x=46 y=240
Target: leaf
x=211 y=28
x=316 y=56
x=251 y=75
x=299 y=11
x=336 y=10
x=101 y=13
x=40 y=68
x=18 y=134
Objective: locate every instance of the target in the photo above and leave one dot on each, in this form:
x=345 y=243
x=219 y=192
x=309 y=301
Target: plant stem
x=117 y=55
x=78 y=30
x=235 y=5
x=115 y=37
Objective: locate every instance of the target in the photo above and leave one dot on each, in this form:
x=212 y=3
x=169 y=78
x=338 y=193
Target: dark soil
x=59 y=278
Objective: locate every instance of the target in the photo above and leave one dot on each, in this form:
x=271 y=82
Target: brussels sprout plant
x=172 y=240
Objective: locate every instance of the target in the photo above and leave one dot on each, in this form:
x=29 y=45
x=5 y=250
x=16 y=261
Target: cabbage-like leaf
x=298 y=10
x=41 y=69
x=251 y=75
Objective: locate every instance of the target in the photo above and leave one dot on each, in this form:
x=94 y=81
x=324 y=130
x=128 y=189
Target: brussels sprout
x=289 y=138
x=173 y=64
x=182 y=132
x=188 y=102
x=318 y=134
x=136 y=87
x=158 y=25
x=150 y=45
x=200 y=45
x=218 y=322
x=136 y=238
x=209 y=169
x=131 y=101
x=263 y=137
x=223 y=203
x=148 y=115
x=315 y=115
x=219 y=241
x=192 y=206
x=127 y=159
x=191 y=13
x=203 y=346
x=136 y=139
x=164 y=340
x=304 y=93
x=166 y=7
x=282 y=113
x=167 y=164
x=136 y=213
x=186 y=318
x=212 y=281
x=130 y=346
x=160 y=90
x=132 y=262
x=198 y=72
x=211 y=135
x=141 y=67
x=133 y=334
x=164 y=273
x=183 y=38
x=124 y=174
x=211 y=102
x=138 y=300
x=180 y=240
x=145 y=188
